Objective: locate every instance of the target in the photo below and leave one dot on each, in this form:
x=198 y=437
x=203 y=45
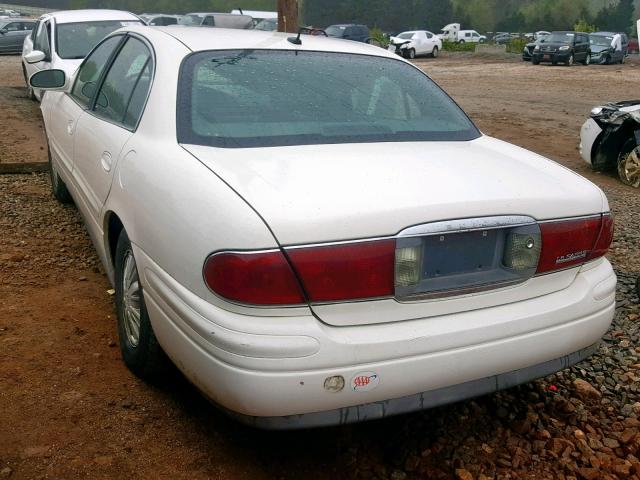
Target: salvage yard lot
x=69 y=408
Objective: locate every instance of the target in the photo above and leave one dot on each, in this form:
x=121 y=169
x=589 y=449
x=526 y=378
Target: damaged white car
x=610 y=139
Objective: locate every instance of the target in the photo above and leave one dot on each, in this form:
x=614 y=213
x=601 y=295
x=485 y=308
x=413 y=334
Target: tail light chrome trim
x=331 y=272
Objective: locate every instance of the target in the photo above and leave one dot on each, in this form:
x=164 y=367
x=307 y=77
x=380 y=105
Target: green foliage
x=583 y=26
x=458 y=47
x=378 y=37
x=516 y=45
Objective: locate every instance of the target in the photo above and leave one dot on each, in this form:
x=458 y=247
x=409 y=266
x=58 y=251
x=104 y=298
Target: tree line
x=396 y=15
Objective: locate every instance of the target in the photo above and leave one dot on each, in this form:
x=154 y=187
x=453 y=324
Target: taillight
x=346 y=272
x=568 y=243
x=255 y=278
x=605 y=238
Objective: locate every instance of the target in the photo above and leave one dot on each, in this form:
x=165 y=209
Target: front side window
x=123 y=77
x=257 y=98
x=43 y=43
x=76 y=40
x=91 y=70
x=34 y=32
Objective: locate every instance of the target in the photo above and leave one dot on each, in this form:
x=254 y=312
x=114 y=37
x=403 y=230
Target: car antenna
x=296 y=40
x=241 y=12
x=312 y=31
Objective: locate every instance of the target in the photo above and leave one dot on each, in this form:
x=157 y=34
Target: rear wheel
x=629 y=163
x=434 y=52
x=140 y=349
x=587 y=59
x=622 y=60
x=571 y=60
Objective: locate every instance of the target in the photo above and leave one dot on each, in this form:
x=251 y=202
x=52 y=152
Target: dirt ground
x=70 y=409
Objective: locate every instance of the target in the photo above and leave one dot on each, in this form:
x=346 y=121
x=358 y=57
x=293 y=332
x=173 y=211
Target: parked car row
x=573 y=47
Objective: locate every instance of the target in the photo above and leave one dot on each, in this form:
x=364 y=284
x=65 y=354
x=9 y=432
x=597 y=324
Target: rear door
x=104 y=130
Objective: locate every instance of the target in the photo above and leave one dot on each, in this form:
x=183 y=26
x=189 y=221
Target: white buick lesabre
x=314 y=232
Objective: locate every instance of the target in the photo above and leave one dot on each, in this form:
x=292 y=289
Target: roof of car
x=73 y=16
x=207 y=38
x=607 y=34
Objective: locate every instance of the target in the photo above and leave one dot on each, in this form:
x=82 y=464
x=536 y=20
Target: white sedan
x=415 y=43
x=313 y=250
x=62 y=39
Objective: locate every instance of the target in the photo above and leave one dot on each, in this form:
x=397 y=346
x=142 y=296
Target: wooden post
x=288 y=16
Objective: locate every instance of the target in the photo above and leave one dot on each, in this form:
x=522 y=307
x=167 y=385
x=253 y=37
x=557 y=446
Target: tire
x=571 y=60
x=58 y=187
x=622 y=60
x=461 y=41
x=140 y=349
x=629 y=163
x=587 y=59
x=30 y=94
x=434 y=52
x=535 y=61
x=411 y=54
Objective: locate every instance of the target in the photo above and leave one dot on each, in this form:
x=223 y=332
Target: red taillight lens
x=346 y=272
x=255 y=278
x=605 y=238
x=568 y=243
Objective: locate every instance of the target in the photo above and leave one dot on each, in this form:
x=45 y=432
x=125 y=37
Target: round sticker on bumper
x=364 y=381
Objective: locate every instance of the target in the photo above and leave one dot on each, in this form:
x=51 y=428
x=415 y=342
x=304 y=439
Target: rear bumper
x=418 y=401
x=271 y=371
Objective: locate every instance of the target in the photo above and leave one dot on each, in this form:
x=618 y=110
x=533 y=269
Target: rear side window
x=128 y=76
x=91 y=70
x=257 y=98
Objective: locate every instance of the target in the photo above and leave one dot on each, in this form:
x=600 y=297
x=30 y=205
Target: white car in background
x=313 y=250
x=416 y=43
x=61 y=40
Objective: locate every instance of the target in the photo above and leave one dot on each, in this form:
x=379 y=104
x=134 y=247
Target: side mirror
x=49 y=79
x=35 y=56
x=3 y=31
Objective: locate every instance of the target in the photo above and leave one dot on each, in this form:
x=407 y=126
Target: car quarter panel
x=173 y=207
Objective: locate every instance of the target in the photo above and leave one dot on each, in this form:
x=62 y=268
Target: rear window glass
x=256 y=98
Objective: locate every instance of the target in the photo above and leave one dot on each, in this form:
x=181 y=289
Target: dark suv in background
x=563 y=47
x=358 y=33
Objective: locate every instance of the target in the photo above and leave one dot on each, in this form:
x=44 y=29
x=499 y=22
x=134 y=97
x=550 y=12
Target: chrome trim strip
x=467 y=225
x=460 y=291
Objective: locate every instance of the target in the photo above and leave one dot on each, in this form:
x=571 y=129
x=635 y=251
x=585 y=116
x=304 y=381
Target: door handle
x=70 y=127
x=105 y=161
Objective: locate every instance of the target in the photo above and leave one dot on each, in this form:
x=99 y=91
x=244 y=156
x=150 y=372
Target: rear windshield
x=76 y=40
x=257 y=98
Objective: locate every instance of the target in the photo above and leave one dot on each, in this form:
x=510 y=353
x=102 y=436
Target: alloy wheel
x=629 y=168
x=131 y=298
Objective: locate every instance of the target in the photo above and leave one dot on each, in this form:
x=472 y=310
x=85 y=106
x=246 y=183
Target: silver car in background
x=13 y=33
